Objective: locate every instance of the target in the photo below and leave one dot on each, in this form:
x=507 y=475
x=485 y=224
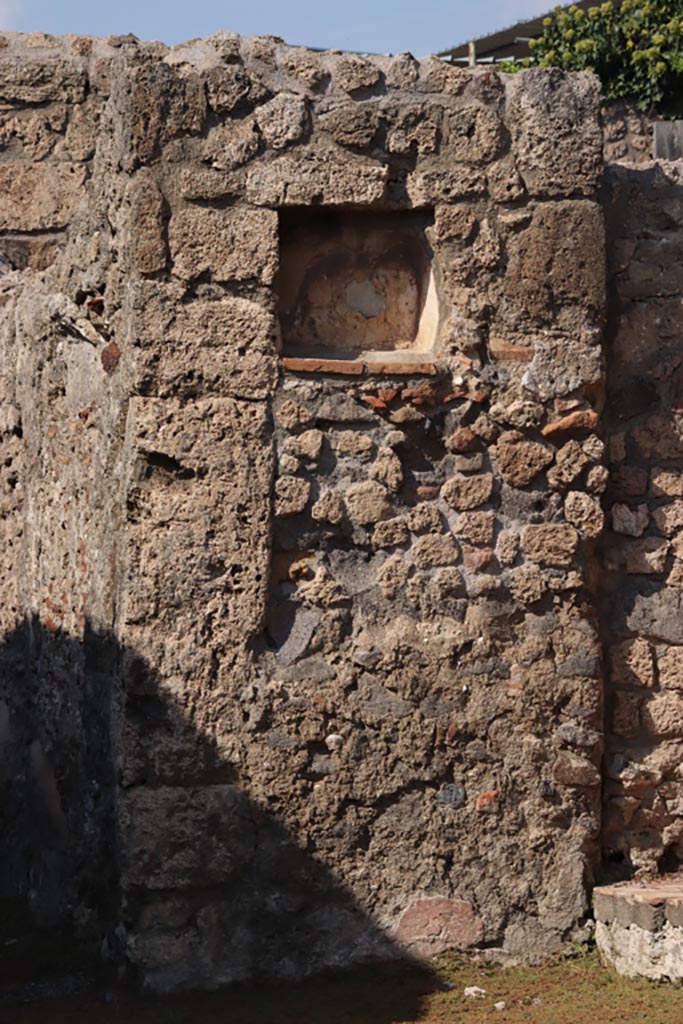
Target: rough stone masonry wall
x=643 y=550
x=308 y=652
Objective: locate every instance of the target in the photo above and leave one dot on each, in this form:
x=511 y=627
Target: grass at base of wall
x=578 y=990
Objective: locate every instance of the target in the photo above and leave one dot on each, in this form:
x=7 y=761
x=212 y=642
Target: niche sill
x=358 y=367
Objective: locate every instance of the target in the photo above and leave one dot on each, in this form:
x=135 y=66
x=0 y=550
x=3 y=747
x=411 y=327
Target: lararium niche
x=357 y=284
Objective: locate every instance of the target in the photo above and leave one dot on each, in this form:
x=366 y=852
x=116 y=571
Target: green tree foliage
x=636 y=48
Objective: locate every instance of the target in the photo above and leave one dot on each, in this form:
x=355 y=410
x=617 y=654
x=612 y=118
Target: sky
x=376 y=26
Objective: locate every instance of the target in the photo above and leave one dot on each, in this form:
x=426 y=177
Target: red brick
x=476 y=558
x=348 y=367
x=401 y=369
x=583 y=419
x=110 y=357
x=487 y=799
x=504 y=351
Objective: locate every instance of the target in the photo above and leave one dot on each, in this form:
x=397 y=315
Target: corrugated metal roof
x=509 y=42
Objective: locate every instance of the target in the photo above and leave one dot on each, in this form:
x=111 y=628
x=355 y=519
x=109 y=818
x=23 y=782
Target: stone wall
x=642 y=554
x=303 y=650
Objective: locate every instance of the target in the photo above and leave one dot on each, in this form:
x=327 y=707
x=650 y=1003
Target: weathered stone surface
x=556 y=134
x=291 y=495
x=330 y=177
x=519 y=460
x=632 y=663
x=147 y=231
x=244 y=575
x=669 y=518
x=387 y=469
x=670 y=668
x=550 y=544
x=559 y=368
x=544 y=251
x=473 y=134
x=663 y=714
x=425 y=519
x=654 y=612
x=585 y=513
x=283 y=120
x=390 y=533
x=431 y=926
x=231 y=145
x=232 y=245
x=645 y=556
x=393 y=576
x=39 y=197
x=329 y=508
x=570 y=769
x=465 y=492
x=39 y=78
x=476 y=527
x=351 y=125
x=367 y=503
x=435 y=549
x=355 y=73
x=527 y=583
x=223 y=346
x=632 y=522
x=308 y=445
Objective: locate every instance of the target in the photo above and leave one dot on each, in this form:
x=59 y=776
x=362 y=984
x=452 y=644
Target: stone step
x=639 y=927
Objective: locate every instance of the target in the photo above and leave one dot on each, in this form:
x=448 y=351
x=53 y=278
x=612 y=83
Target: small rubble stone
x=292 y=416
x=435 y=549
x=466 y=492
x=663 y=713
x=231 y=145
x=389 y=533
x=367 y=503
x=448 y=582
x=354 y=125
x=291 y=495
x=598 y=479
x=476 y=527
x=670 y=668
x=392 y=576
x=527 y=583
x=585 y=513
x=425 y=518
x=645 y=556
x=550 y=543
x=632 y=663
x=307 y=445
x=329 y=508
x=519 y=460
x=632 y=522
x=507 y=547
x=476 y=559
x=571 y=769
x=669 y=518
x=570 y=461
x=666 y=483
x=283 y=120
x=354 y=73
x=470 y=463
x=289 y=465
x=355 y=442
x=387 y=469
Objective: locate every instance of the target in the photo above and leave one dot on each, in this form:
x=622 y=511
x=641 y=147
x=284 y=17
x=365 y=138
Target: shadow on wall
x=209 y=887
x=642 y=550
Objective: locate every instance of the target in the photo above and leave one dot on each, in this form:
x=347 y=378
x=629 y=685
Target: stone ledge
x=358 y=367
x=640 y=927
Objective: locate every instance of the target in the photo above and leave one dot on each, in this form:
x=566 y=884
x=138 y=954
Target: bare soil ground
x=571 y=991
